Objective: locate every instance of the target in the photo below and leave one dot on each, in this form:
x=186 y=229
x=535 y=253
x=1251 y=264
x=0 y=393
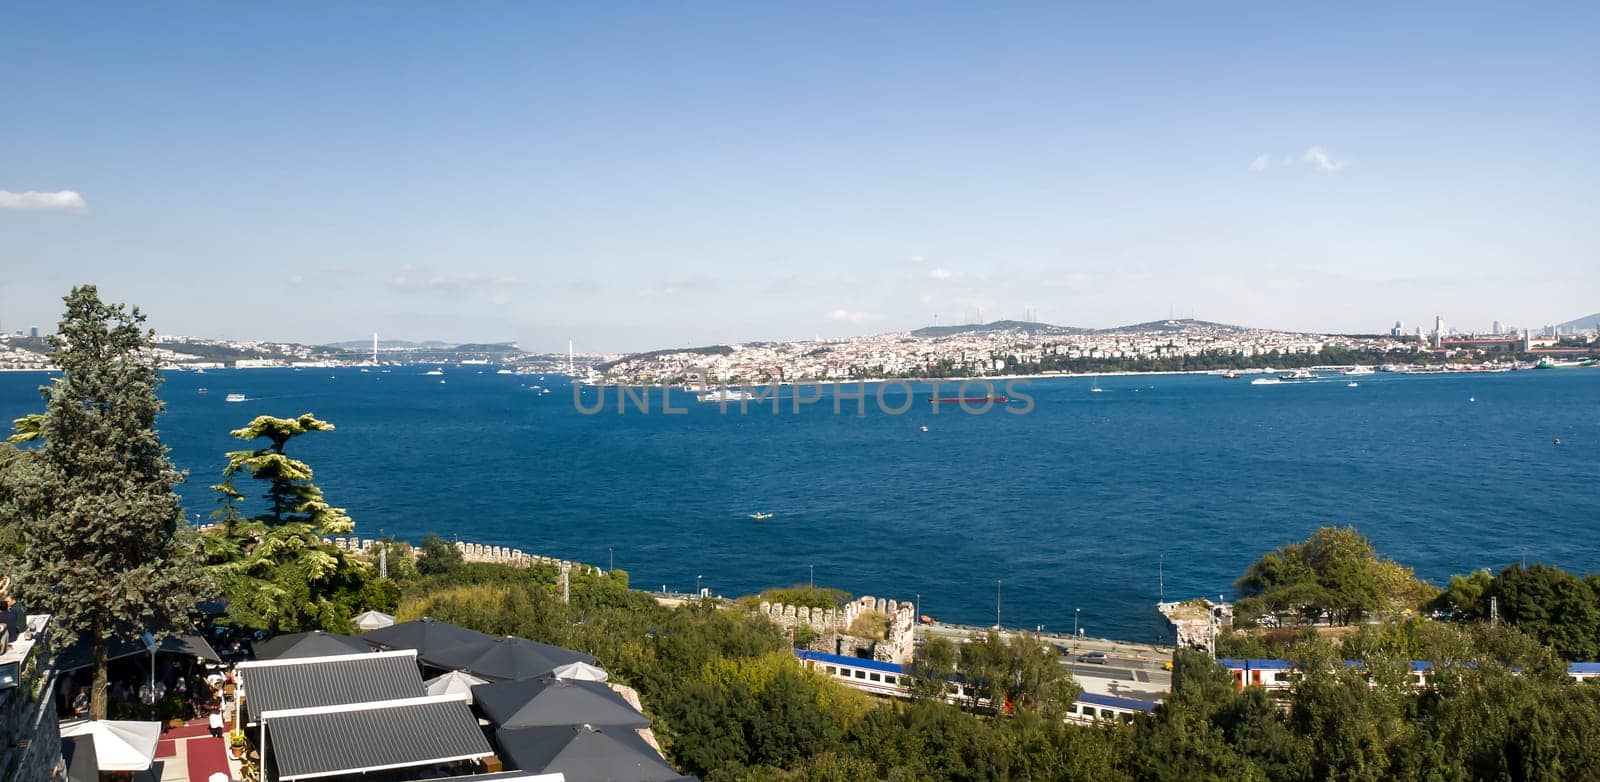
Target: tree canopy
x=274 y=567
x=101 y=540
x=1335 y=574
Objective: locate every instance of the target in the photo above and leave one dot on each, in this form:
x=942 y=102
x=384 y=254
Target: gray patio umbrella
x=585 y=752
x=425 y=635
x=537 y=703
x=313 y=644
x=505 y=659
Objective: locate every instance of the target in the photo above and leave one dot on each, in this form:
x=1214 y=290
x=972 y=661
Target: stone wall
x=830 y=627
x=1195 y=621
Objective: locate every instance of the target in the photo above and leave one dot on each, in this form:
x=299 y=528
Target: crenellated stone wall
x=830 y=627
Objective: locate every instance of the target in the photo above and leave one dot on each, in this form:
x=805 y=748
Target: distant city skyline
x=669 y=176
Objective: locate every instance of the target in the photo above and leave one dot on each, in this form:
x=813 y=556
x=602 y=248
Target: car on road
x=1098 y=658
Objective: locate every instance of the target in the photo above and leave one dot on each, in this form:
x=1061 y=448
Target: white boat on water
x=1299 y=374
x=234 y=398
x=1355 y=371
x=1095 y=389
x=503 y=372
x=434 y=372
x=1352 y=384
x=1265 y=381
x=726 y=395
x=760 y=516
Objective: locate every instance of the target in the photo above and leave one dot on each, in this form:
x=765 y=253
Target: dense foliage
x=1334 y=576
x=275 y=568
x=97 y=526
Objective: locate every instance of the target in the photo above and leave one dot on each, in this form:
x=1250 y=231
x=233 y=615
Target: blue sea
x=1091 y=504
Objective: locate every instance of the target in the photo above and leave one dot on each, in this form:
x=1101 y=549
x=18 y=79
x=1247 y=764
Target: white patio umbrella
x=373 y=620
x=118 y=745
x=581 y=671
x=454 y=682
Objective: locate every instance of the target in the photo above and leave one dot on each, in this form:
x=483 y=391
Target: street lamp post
x=1075 y=613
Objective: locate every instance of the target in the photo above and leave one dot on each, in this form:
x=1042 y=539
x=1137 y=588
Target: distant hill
x=1172 y=327
x=929 y=332
x=401 y=344
x=1586 y=323
x=709 y=350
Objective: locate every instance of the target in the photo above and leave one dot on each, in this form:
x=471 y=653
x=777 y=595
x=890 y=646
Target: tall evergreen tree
x=101 y=543
x=274 y=567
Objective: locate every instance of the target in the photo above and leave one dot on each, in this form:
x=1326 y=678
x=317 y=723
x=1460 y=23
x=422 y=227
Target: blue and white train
x=1282 y=674
x=892 y=681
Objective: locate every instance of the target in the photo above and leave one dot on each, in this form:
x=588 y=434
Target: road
x=1131 y=670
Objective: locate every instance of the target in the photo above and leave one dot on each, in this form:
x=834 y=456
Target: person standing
x=215 y=720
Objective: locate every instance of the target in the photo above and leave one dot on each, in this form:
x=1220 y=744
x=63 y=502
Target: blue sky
x=637 y=176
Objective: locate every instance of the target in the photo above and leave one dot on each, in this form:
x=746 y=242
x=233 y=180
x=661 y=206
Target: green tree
x=931 y=669
x=275 y=567
x=1552 y=605
x=437 y=555
x=1023 y=674
x=100 y=524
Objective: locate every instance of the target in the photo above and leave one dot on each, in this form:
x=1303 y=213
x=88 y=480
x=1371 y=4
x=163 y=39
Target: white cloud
x=1261 y=163
x=851 y=316
x=411 y=279
x=942 y=273
x=1319 y=156
x=60 y=201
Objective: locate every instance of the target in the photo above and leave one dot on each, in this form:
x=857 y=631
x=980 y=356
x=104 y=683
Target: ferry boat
x=971 y=400
x=1550 y=363
x=1354 y=371
x=1299 y=374
x=726 y=395
x=235 y=397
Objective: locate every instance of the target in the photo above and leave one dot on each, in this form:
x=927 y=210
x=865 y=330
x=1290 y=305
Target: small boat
x=234 y=398
x=1558 y=441
x=1265 y=381
x=1232 y=374
x=760 y=516
x=970 y=400
x=726 y=395
x=434 y=372
x=1299 y=374
x=503 y=372
x=1352 y=384
x=924 y=428
x=1355 y=371
x=200 y=390
x=1095 y=389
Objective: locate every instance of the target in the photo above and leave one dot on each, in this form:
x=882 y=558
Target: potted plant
x=236 y=745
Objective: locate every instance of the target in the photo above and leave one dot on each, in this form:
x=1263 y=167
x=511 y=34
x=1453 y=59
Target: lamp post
x=611 y=559
x=1075 y=613
x=697 y=586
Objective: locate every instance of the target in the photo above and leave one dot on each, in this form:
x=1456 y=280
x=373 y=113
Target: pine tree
x=275 y=567
x=101 y=542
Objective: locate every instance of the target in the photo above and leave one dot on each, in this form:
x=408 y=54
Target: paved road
x=1130 y=671
x=1125 y=653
